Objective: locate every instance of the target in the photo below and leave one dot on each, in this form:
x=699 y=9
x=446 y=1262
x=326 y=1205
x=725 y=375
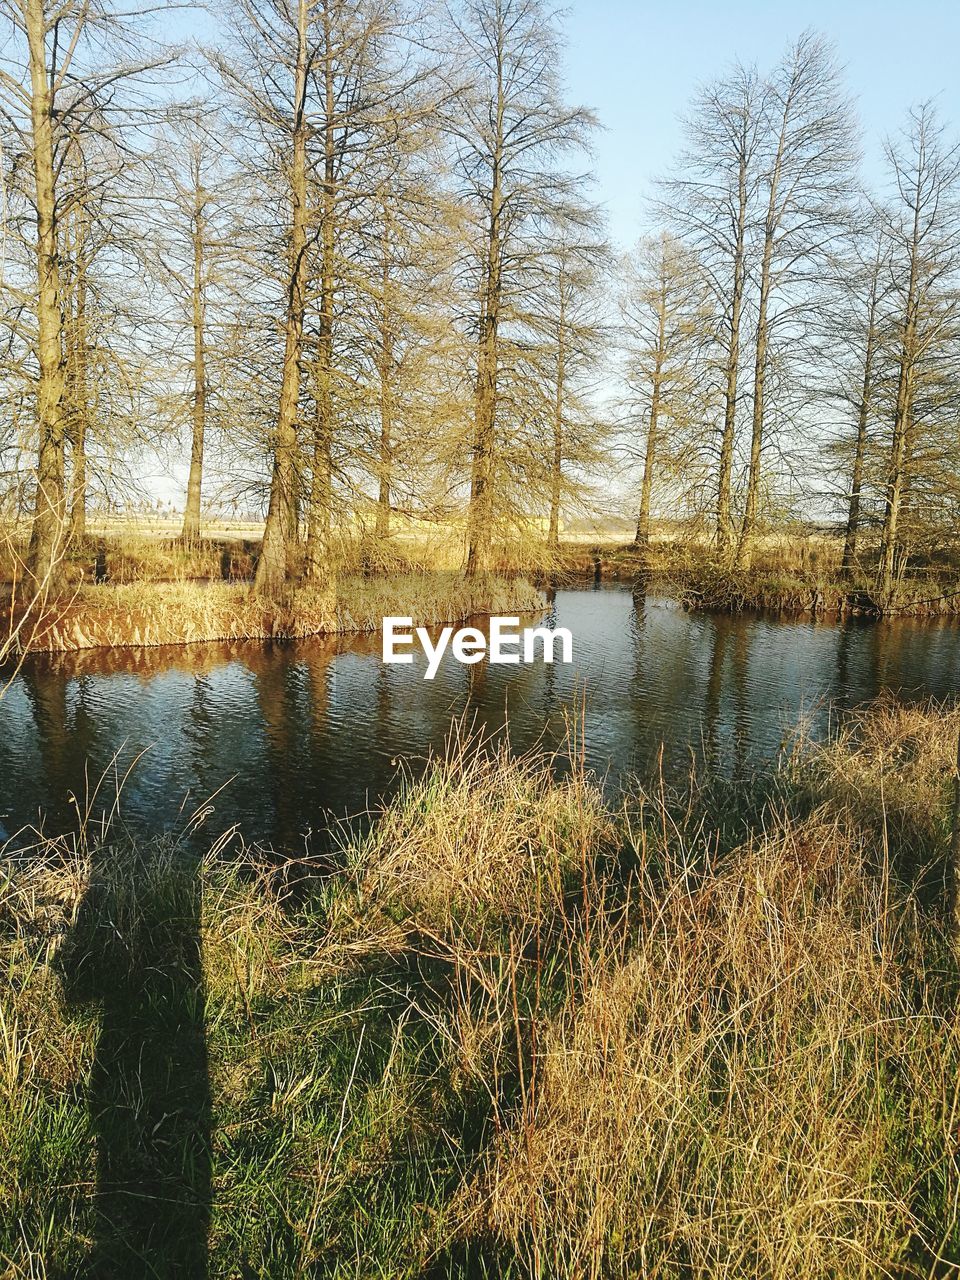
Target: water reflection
x=290 y=735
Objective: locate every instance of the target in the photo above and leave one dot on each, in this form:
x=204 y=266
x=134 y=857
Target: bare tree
x=55 y=84
x=194 y=198
x=565 y=326
x=287 y=48
x=860 y=331
x=924 y=226
x=78 y=250
x=807 y=153
x=508 y=128
x=372 y=93
x=666 y=332
x=194 y=253
x=710 y=202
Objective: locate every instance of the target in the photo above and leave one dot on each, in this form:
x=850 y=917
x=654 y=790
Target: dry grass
x=802 y=576
x=792 y=570
x=483 y=836
x=147 y=614
x=752 y=1070
x=889 y=769
x=134 y=550
x=128 y=552
x=744 y=1087
x=521 y=1034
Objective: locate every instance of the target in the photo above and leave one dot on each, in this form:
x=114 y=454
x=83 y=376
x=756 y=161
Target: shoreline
x=160 y=614
x=200 y=608
x=702 y=585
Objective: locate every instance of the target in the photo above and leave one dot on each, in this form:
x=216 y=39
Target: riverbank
x=721 y=590
x=134 y=588
x=146 y=614
x=516 y=1028
x=793 y=577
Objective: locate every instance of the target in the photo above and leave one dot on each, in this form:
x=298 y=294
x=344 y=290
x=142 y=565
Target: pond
x=282 y=739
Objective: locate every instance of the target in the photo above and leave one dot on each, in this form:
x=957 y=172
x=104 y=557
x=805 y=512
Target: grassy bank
x=799 y=575
x=148 y=581
x=518 y=1033
x=136 y=550
x=815 y=593
x=140 y=587
x=150 y=613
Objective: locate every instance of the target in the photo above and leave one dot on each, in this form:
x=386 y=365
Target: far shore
x=137 y=584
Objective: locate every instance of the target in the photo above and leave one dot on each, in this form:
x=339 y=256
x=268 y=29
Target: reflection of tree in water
x=676 y=718
x=314 y=768
x=47 y=694
x=742 y=734
x=727 y=739
x=136 y=950
x=476 y=674
x=200 y=727
x=713 y=698
x=278 y=684
x=841 y=671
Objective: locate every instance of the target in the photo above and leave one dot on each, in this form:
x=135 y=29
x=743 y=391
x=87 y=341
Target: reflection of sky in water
x=298 y=732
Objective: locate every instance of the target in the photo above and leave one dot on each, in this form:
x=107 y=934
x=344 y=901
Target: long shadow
x=136 y=950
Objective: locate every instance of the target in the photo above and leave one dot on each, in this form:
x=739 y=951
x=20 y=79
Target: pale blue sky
x=638 y=63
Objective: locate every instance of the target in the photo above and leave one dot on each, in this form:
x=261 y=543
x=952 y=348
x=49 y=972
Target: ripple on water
x=287 y=736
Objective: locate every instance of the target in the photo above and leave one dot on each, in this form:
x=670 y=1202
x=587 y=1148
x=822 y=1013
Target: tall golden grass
x=144 y=614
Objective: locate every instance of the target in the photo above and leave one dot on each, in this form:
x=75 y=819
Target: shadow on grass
x=136 y=950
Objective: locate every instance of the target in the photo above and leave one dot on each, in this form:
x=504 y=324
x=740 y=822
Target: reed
x=814 y=589
x=144 y=614
x=791 y=572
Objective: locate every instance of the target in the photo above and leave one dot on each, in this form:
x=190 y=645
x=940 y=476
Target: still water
x=282 y=739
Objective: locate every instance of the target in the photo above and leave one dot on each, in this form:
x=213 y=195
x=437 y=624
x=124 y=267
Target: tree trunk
x=724 y=529
x=191 y=513
x=383 y=495
x=748 y=524
x=898 y=450
x=78 y=488
x=556 y=471
x=480 y=514
x=76 y=250
x=79 y=400
x=280 y=531
x=642 y=538
x=896 y=473
x=321 y=486
x=852 y=531
x=386 y=394
x=902 y=417
x=49 y=533
x=759 y=384
x=480 y=519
